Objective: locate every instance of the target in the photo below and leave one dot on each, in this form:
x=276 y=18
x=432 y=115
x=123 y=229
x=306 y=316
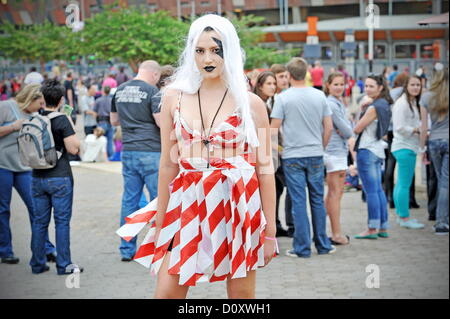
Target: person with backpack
x=53 y=187
x=13 y=174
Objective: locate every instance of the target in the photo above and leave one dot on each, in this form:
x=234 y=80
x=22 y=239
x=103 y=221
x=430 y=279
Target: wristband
x=276 y=242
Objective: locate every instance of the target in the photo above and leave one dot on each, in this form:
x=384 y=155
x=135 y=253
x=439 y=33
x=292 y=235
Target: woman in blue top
x=335 y=158
x=372 y=127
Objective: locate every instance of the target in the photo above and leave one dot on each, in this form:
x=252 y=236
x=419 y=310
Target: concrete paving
x=410 y=264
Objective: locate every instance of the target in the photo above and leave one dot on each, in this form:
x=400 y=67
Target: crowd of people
x=318 y=142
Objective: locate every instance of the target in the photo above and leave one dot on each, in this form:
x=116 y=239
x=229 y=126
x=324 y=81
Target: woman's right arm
x=365 y=121
x=168 y=167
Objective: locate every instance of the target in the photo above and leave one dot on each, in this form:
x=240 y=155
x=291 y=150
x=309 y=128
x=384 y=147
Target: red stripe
x=141 y=218
x=216 y=217
x=238 y=190
x=256 y=221
x=189 y=249
x=202 y=212
x=220 y=254
x=189 y=214
x=127 y=238
x=227 y=211
x=211 y=181
x=172 y=216
x=217 y=278
x=234 y=120
x=192 y=280
x=251 y=187
x=238 y=260
x=145 y=250
x=177 y=183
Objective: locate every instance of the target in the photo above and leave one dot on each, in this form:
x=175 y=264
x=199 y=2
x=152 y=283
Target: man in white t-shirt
x=33 y=77
x=95 y=147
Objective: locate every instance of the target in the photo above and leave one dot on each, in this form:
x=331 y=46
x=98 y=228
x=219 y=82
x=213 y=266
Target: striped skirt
x=213 y=219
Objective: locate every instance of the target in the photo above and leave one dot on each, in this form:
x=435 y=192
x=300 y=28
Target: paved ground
x=412 y=263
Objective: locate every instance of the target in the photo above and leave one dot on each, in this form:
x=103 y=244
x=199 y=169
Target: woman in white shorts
x=335 y=157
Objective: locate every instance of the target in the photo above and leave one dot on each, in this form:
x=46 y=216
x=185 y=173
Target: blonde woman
x=436 y=103
x=12 y=172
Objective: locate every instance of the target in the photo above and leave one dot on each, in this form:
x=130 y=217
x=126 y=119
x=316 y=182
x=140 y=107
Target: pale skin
x=336 y=179
x=268 y=88
x=282 y=80
x=212 y=90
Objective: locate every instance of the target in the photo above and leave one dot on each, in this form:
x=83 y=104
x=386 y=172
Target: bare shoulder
x=256 y=103
x=169 y=99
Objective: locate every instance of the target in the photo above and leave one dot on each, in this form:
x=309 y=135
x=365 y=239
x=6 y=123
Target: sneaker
x=440 y=230
x=399 y=220
x=291 y=253
x=411 y=224
x=331 y=251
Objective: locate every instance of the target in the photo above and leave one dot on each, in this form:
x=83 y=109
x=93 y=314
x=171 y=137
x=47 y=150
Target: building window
x=426 y=51
x=205 y=4
x=405 y=51
x=326 y=53
x=379 y=51
x=185 y=4
x=344 y=52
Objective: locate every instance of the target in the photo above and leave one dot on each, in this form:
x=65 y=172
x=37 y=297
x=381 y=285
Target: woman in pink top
x=110 y=81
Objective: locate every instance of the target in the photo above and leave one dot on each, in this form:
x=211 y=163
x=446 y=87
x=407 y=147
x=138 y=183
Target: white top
x=404 y=122
x=95 y=148
x=369 y=139
x=33 y=77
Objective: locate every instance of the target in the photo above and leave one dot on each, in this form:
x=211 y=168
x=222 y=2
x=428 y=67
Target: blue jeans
x=369 y=170
x=438 y=150
x=48 y=193
x=138 y=168
x=299 y=173
x=109 y=133
x=21 y=181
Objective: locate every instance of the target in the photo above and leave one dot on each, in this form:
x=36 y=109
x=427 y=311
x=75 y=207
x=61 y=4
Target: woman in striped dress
x=214 y=218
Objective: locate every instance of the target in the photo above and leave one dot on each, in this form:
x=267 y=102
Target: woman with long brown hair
x=371 y=128
x=409 y=128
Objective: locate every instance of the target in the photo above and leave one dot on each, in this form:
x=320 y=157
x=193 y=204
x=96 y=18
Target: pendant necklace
x=206 y=139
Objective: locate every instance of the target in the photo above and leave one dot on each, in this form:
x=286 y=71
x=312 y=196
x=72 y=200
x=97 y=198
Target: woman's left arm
x=423 y=127
x=265 y=172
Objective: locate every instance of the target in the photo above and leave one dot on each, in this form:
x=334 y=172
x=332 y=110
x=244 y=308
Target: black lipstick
x=209 y=68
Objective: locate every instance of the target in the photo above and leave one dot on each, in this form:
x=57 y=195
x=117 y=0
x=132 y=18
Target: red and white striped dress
x=214 y=214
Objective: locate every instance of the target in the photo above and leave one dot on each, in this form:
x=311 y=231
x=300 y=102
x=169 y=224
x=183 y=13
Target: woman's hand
x=269 y=250
x=17 y=125
x=366 y=101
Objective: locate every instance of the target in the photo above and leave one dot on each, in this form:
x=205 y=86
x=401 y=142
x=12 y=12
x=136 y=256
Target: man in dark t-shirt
x=135 y=106
x=53 y=188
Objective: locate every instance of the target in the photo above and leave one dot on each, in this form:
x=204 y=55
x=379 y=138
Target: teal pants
x=406 y=163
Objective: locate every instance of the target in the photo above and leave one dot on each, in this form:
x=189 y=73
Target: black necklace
x=205 y=139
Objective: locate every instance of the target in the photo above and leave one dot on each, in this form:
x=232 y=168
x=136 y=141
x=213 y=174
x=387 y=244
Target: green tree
x=38 y=42
x=250 y=35
x=133 y=36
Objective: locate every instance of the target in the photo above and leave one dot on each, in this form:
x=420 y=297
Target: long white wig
x=187 y=77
